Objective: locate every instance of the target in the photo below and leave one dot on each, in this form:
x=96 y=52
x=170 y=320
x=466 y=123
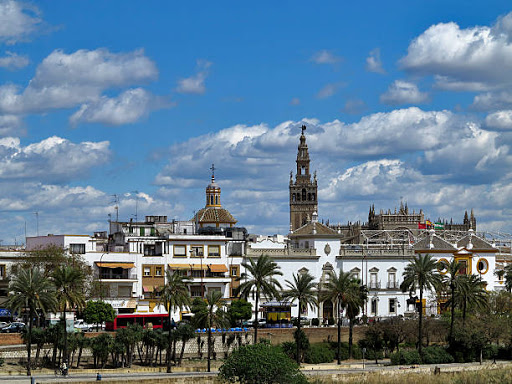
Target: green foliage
x=372 y=341
x=468 y=342
x=101 y=347
x=261 y=364
x=405 y=357
x=315 y=322
x=436 y=355
x=319 y=353
x=239 y=310
x=96 y=312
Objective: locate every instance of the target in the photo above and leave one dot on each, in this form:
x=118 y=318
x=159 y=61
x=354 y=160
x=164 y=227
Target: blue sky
x=403 y=100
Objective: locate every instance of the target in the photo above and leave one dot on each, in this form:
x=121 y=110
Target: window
x=180 y=251
x=374 y=284
x=196 y=273
x=147 y=271
x=142 y=231
x=213 y=251
x=441 y=266
x=158 y=271
x=373 y=308
x=195 y=291
x=2 y=272
x=214 y=289
x=234 y=271
x=392 y=283
x=196 y=251
x=392 y=306
x=150 y=250
x=77 y=249
x=482 y=266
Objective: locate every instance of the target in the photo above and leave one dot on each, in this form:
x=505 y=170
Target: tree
x=508 y=277
x=174 y=295
x=69 y=284
x=302 y=289
x=354 y=300
x=259 y=279
x=452 y=269
x=129 y=337
x=470 y=292
x=213 y=315
x=185 y=332
x=261 y=364
x=421 y=273
x=31 y=290
x=336 y=289
x=96 y=312
x=239 y=310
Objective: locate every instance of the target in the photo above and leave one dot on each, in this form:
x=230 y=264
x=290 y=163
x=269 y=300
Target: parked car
x=13 y=327
x=3 y=324
x=81 y=325
x=303 y=321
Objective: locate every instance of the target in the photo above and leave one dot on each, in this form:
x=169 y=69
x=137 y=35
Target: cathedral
x=304 y=206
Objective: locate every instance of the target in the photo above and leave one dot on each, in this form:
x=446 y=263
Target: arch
x=309 y=196
x=303 y=194
x=313 y=197
x=294 y=197
x=327 y=309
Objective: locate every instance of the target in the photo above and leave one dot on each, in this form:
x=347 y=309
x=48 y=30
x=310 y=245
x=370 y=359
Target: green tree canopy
x=239 y=310
x=96 y=312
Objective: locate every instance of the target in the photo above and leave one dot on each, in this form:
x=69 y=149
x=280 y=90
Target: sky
x=128 y=103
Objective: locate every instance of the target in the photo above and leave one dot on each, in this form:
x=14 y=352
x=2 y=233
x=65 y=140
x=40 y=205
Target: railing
x=393 y=285
x=281 y=252
x=376 y=252
x=115 y=276
x=374 y=284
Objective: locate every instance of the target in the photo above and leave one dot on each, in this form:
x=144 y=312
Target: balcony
x=116 y=276
x=393 y=285
x=374 y=285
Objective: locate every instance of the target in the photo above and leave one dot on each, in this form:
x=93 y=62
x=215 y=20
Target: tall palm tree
x=508 y=277
x=421 y=273
x=213 y=315
x=303 y=289
x=259 y=279
x=470 y=292
x=31 y=290
x=69 y=289
x=336 y=289
x=174 y=295
x=452 y=270
x=354 y=301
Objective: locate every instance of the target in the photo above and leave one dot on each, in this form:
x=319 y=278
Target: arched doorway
x=327 y=310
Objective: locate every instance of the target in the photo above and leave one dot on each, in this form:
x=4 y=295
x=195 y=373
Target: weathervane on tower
x=303 y=128
x=213 y=171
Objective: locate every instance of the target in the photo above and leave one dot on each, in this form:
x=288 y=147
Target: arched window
x=216 y=200
x=309 y=196
x=211 y=200
x=304 y=194
x=313 y=196
x=294 y=197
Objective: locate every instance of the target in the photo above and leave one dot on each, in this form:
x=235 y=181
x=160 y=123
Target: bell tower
x=303 y=191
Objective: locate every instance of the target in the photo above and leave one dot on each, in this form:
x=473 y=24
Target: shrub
x=490 y=351
x=289 y=349
x=436 y=355
x=319 y=353
x=330 y=321
x=260 y=364
x=405 y=357
x=315 y=322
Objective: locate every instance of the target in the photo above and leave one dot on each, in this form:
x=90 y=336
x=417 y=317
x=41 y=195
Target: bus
x=146 y=320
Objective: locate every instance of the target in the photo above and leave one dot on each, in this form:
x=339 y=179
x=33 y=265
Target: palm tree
x=258 y=279
x=508 y=277
x=336 y=289
x=354 y=301
x=69 y=283
x=452 y=269
x=213 y=315
x=31 y=290
x=302 y=289
x=174 y=295
x=470 y=292
x=421 y=273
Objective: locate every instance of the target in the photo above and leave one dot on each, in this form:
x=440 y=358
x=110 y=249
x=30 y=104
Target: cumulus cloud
x=403 y=92
x=18 y=20
x=489 y=101
x=65 y=80
x=53 y=160
x=13 y=61
x=128 y=107
x=463 y=58
x=374 y=63
x=329 y=90
x=11 y=125
x=325 y=57
x=500 y=120
x=195 y=84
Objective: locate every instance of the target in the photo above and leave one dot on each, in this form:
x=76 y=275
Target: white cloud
x=195 y=84
x=66 y=80
x=128 y=107
x=374 y=63
x=403 y=92
x=325 y=57
x=11 y=125
x=492 y=101
x=18 y=20
x=500 y=120
x=13 y=61
x=463 y=58
x=53 y=159
x=329 y=90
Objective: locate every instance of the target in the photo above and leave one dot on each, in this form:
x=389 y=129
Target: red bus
x=157 y=320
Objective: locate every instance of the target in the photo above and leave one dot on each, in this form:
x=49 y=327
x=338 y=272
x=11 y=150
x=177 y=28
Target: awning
x=148 y=288
x=218 y=268
x=132 y=303
x=195 y=267
x=115 y=265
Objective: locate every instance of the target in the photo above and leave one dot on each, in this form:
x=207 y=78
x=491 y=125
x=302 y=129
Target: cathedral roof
x=434 y=243
x=314 y=229
x=214 y=215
